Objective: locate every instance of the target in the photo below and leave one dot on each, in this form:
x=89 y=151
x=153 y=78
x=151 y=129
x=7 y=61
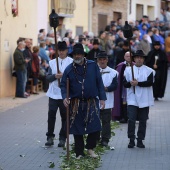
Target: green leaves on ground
x=52 y=165
x=86 y=163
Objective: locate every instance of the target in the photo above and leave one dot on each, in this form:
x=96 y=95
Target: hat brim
x=144 y=56
x=103 y=56
x=78 y=51
x=96 y=43
x=62 y=49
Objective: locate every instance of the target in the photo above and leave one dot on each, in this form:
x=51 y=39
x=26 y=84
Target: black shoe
x=61 y=143
x=156 y=99
x=140 y=144
x=104 y=143
x=131 y=143
x=49 y=142
x=123 y=121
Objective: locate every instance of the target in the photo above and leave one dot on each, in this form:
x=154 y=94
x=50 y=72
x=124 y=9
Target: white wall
x=24 y=25
x=145 y=3
x=80 y=17
x=42 y=15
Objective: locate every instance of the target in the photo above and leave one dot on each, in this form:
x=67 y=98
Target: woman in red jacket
x=35 y=68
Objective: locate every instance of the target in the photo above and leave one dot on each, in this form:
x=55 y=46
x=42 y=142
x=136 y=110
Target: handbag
x=42 y=72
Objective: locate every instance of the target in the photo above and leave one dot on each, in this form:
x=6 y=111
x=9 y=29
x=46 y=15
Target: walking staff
x=54 y=22
x=68 y=120
x=127 y=31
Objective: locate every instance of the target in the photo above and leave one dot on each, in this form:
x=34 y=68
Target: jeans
x=35 y=81
x=20 y=82
x=53 y=107
x=142 y=113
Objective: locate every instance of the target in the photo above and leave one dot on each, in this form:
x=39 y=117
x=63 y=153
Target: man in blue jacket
x=86 y=92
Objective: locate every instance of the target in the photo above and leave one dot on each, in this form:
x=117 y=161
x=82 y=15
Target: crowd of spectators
x=111 y=40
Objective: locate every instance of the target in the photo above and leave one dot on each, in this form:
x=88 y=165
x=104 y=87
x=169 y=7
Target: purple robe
x=116 y=111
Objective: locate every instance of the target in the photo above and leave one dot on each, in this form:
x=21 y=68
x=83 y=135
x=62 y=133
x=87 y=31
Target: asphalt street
x=23 y=129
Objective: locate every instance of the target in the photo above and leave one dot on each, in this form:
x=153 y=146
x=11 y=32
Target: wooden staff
x=56 y=51
x=68 y=120
x=131 y=63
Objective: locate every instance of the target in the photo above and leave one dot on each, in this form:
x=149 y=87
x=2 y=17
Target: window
x=102 y=22
x=130 y=6
x=52 y=4
x=79 y=30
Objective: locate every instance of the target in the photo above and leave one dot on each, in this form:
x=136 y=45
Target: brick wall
x=107 y=8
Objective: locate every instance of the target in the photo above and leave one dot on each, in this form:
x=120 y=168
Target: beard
x=78 y=61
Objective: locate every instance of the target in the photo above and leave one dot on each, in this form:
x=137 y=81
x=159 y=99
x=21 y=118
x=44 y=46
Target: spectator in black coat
x=92 y=55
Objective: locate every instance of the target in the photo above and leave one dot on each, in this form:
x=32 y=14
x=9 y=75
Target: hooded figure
x=157 y=60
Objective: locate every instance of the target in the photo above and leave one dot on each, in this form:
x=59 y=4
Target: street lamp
x=127 y=31
x=54 y=22
x=54 y=19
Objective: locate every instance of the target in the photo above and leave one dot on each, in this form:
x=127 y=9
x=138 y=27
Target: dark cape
x=92 y=55
x=161 y=72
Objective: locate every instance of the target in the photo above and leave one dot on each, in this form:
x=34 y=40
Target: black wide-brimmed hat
x=95 y=41
x=78 y=49
x=102 y=54
x=139 y=53
x=126 y=43
x=62 y=45
x=157 y=43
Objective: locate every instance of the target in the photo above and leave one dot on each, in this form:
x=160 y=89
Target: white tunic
x=143 y=96
x=54 y=91
x=107 y=80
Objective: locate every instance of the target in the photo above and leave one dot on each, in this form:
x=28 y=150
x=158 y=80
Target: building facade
x=20 y=18
x=105 y=11
x=73 y=14
x=138 y=8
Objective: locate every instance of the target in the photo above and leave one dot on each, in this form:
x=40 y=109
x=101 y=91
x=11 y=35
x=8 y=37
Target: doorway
x=117 y=15
x=139 y=11
x=102 y=22
x=150 y=12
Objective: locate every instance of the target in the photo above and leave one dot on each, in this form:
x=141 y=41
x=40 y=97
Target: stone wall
x=107 y=8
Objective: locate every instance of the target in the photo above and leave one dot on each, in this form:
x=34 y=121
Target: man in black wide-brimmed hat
x=109 y=77
x=54 y=94
x=139 y=97
x=86 y=91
